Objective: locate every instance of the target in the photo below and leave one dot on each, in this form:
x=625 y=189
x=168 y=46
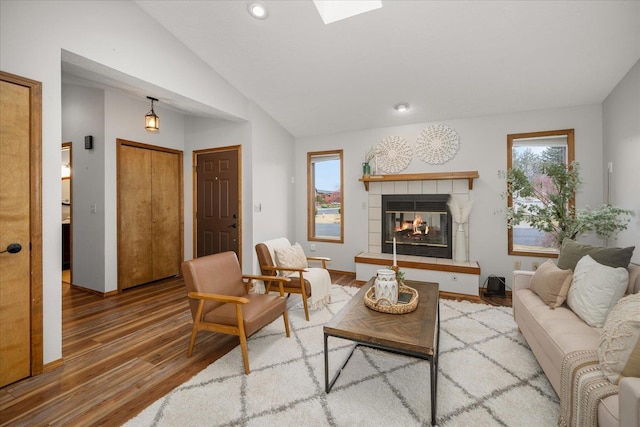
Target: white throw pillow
x=595 y=290
x=619 y=349
x=291 y=257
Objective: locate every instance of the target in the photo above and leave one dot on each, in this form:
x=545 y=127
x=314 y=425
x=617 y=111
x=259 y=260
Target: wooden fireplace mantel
x=470 y=175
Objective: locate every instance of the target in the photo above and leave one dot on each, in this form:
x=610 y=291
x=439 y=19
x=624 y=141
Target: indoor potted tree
x=545 y=202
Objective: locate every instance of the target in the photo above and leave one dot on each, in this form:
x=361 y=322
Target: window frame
x=511 y=138
x=311 y=195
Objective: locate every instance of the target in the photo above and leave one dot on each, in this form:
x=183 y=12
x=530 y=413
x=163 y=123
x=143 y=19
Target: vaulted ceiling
x=447 y=59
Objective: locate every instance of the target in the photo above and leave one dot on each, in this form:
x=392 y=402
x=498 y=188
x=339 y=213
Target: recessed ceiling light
x=401 y=107
x=258 y=10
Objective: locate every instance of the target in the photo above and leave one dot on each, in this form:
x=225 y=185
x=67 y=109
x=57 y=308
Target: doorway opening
x=67 y=197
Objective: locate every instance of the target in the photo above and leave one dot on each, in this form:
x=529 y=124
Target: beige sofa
x=552 y=334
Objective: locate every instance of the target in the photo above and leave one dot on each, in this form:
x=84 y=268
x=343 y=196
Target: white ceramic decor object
x=461 y=245
x=386 y=286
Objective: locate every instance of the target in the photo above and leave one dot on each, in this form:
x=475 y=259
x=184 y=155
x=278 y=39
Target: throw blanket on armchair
x=582 y=386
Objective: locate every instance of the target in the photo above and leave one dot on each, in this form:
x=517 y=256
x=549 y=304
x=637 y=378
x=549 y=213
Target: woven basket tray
x=402 y=308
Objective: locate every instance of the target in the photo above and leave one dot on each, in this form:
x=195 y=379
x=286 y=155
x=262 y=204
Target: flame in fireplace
x=414 y=226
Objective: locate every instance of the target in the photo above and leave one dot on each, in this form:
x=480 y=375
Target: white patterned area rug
x=487 y=377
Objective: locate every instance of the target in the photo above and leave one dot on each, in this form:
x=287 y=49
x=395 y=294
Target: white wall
x=621 y=132
x=273 y=155
x=120 y=36
x=483 y=147
x=83 y=114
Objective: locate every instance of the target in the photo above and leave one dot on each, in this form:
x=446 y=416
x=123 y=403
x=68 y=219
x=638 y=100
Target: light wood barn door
x=135 y=248
x=149 y=214
x=166 y=232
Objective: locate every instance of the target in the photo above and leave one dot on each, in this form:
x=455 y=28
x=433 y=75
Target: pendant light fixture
x=151 y=120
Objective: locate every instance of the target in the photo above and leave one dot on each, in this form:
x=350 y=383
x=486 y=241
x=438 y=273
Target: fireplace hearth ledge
x=457 y=277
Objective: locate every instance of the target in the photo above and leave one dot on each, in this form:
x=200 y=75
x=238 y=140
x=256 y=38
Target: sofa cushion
x=619 y=349
x=571 y=252
x=595 y=290
x=551 y=284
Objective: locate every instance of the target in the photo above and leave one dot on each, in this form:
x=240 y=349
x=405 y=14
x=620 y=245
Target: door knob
x=12 y=248
x=232 y=226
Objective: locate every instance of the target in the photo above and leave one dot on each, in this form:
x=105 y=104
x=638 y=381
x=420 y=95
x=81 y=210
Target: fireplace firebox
x=420 y=223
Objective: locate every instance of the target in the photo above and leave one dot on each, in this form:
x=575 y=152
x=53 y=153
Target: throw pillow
x=619 y=349
x=571 y=252
x=595 y=290
x=291 y=257
x=551 y=284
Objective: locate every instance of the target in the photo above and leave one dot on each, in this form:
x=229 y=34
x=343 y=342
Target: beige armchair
x=312 y=283
x=220 y=300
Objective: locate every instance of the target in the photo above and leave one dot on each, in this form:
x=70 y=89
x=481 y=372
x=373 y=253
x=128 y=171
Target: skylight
x=335 y=10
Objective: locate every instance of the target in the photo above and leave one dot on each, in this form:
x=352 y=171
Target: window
x=325 y=211
x=527 y=152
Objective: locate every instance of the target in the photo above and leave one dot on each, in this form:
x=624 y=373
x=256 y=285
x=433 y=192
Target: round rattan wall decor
x=437 y=144
x=394 y=154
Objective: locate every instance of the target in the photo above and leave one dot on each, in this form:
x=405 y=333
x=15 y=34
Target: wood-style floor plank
x=121 y=354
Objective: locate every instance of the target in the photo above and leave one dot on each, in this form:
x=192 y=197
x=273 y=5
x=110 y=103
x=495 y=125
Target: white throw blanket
x=320 y=281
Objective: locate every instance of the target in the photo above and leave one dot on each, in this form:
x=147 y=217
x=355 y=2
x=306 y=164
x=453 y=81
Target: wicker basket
x=401 y=308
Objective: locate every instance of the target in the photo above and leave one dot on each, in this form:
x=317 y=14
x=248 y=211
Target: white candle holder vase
x=386 y=287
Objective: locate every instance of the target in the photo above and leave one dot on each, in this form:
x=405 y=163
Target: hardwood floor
x=120 y=354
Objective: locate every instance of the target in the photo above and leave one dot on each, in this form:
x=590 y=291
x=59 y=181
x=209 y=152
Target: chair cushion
x=551 y=284
x=595 y=290
x=261 y=310
x=619 y=349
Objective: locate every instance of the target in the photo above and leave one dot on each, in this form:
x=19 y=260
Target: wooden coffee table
x=414 y=334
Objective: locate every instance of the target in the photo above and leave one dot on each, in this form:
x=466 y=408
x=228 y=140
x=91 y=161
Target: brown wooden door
x=218 y=202
x=149 y=214
x=20 y=223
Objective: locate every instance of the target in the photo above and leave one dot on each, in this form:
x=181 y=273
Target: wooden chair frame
x=200 y=325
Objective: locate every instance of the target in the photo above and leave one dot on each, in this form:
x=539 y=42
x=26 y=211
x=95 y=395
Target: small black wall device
x=88 y=142
x=495 y=286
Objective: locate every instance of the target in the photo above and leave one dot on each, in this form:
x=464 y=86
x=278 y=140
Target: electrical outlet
x=534 y=265
x=517 y=265
x=312 y=247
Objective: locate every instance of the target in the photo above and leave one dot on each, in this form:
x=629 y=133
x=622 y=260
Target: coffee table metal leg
x=329 y=384
x=435 y=361
x=434 y=374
